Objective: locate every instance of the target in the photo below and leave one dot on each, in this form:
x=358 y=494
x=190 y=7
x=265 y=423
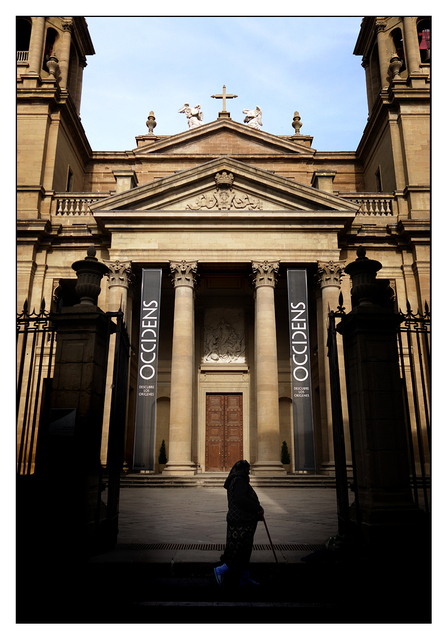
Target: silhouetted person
x=244 y=512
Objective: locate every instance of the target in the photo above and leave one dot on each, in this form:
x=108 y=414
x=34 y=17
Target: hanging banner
x=303 y=429
x=148 y=351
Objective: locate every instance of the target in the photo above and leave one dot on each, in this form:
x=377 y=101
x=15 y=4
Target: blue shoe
x=219 y=574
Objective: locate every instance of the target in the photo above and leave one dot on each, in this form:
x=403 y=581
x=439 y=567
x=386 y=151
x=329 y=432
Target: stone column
x=120 y=278
x=184 y=280
x=383 y=55
x=36 y=45
x=411 y=45
x=264 y=276
x=328 y=277
x=63 y=52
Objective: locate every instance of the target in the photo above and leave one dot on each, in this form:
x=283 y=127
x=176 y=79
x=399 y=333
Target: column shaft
x=411 y=45
x=266 y=364
x=63 y=54
x=382 y=54
x=181 y=406
x=329 y=278
x=36 y=45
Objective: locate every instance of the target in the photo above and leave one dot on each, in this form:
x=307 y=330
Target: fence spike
x=42 y=305
x=25 y=306
x=426 y=308
x=408 y=306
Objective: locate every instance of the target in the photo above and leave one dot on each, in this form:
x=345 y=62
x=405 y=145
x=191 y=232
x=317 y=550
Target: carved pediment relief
x=222 y=185
x=224 y=196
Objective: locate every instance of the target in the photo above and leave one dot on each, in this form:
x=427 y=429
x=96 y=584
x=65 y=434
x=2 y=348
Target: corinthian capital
x=329 y=274
x=265 y=274
x=184 y=274
x=120 y=273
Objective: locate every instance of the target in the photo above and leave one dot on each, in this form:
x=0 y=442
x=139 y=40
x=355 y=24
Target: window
x=398 y=46
x=69 y=180
x=49 y=47
x=379 y=182
x=424 y=39
x=23 y=36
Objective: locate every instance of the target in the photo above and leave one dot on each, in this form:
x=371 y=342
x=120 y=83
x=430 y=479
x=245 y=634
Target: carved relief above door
x=224 y=431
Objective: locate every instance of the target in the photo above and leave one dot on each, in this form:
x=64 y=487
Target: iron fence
x=35 y=357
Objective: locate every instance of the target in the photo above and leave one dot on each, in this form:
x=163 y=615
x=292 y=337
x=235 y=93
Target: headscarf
x=240 y=468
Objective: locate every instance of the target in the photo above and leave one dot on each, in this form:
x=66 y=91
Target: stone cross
x=223 y=95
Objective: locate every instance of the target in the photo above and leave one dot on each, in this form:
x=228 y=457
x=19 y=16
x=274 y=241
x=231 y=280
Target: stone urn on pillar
x=90 y=273
x=365 y=290
x=395 y=66
x=53 y=66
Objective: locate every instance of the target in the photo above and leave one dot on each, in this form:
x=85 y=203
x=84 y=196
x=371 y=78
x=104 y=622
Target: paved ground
x=148 y=586
x=198 y=515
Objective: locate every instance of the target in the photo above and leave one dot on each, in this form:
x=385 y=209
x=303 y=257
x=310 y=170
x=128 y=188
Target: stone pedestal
x=268 y=424
x=181 y=406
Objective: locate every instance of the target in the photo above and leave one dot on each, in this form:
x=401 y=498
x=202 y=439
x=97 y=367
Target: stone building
x=224 y=210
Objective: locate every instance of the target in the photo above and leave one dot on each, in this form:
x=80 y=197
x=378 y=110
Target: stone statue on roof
x=253 y=118
x=194 y=116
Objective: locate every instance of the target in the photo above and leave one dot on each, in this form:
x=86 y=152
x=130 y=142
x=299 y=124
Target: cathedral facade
x=224 y=214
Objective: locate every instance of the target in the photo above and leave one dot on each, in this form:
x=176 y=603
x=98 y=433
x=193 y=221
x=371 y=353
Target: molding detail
x=329 y=274
x=265 y=274
x=184 y=274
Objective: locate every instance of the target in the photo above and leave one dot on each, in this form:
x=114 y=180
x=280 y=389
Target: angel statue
x=253 y=118
x=194 y=116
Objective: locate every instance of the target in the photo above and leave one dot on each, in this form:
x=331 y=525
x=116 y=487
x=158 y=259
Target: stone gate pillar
x=184 y=278
x=266 y=370
x=72 y=439
x=386 y=512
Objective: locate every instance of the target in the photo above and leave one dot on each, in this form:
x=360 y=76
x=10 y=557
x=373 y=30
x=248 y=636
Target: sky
x=281 y=64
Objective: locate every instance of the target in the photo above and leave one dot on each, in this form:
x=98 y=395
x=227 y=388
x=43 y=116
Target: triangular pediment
x=224 y=137
x=221 y=185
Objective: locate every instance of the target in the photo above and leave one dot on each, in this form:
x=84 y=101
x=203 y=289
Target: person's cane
x=272 y=546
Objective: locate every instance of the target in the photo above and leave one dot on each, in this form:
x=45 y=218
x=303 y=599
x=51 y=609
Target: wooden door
x=224 y=431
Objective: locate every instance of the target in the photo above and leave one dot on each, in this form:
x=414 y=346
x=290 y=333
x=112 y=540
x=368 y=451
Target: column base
x=267 y=468
x=179 y=469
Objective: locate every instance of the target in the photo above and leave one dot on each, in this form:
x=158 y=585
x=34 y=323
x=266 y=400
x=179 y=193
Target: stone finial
x=151 y=123
x=365 y=289
x=53 y=66
x=296 y=123
x=89 y=272
x=395 y=65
